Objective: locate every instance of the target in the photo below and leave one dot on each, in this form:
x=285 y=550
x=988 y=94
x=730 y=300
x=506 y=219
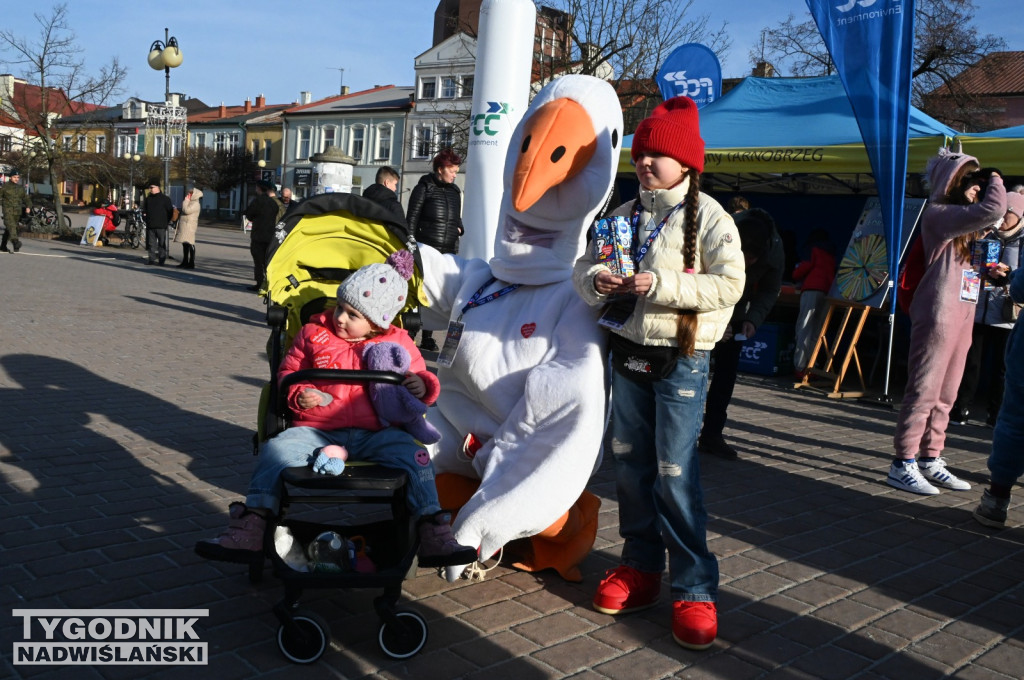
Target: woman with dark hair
x=941 y=317
x=435 y=213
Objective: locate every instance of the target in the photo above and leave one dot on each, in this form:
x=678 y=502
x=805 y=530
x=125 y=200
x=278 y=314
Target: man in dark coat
x=765 y=262
x=157 y=211
x=382 y=191
x=263 y=213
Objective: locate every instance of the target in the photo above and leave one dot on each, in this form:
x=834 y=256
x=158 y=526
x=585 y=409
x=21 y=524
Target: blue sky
x=234 y=49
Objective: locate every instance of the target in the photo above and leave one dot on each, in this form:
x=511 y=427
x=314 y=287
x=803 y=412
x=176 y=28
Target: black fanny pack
x=641 y=363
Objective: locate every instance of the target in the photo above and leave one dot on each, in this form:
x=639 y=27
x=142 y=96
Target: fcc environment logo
x=110 y=637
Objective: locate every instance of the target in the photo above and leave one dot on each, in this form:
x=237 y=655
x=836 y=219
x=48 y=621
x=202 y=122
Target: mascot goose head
x=559 y=169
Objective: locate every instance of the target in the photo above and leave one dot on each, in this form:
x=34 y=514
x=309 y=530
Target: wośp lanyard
x=639 y=253
x=619 y=311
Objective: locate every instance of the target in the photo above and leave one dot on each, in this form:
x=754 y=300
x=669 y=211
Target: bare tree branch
x=945 y=43
x=51 y=61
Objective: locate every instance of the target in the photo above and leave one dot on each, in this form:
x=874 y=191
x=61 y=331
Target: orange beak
x=558 y=142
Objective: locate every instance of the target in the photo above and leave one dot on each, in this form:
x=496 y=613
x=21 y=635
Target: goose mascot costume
x=522 y=406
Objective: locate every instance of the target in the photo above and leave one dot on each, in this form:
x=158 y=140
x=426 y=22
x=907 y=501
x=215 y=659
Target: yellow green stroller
x=321 y=241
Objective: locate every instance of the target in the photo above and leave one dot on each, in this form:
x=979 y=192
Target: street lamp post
x=132 y=160
x=31 y=162
x=166 y=55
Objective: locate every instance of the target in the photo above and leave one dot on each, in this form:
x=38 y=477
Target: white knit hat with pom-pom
x=379 y=291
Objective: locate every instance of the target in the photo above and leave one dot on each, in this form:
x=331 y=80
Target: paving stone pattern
x=129 y=396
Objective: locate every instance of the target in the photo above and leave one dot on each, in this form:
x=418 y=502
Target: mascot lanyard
x=455 y=328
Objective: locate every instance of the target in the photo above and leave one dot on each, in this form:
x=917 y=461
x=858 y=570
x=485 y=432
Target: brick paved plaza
x=129 y=396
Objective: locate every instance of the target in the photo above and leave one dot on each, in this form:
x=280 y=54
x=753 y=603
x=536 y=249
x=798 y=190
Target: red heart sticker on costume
x=528 y=329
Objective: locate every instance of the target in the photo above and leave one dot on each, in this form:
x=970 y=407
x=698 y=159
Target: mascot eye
x=615 y=138
x=557 y=154
x=526 y=144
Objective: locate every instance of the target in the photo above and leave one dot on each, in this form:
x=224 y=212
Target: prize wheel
x=864 y=268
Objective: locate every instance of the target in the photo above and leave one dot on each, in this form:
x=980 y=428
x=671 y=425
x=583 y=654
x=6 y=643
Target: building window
x=83 y=144
x=66 y=142
x=448 y=87
x=428 y=88
x=423 y=141
x=305 y=138
x=236 y=143
x=126 y=144
x=5 y=143
x=267 y=146
x=255 y=148
x=176 y=145
x=200 y=140
x=467 y=86
x=158 y=146
x=101 y=144
x=445 y=137
x=384 y=143
x=220 y=142
x=358 y=140
x=330 y=137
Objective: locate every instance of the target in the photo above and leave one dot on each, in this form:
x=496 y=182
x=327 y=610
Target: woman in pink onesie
x=941 y=316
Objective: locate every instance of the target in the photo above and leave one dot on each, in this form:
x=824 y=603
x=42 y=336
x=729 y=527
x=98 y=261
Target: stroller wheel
x=305 y=640
x=405 y=639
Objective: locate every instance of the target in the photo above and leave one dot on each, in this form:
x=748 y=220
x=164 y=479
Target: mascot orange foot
x=562 y=546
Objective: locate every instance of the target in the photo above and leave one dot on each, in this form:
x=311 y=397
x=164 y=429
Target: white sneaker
x=908 y=478
x=935 y=471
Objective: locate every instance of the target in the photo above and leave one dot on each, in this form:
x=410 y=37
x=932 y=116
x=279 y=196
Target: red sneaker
x=625 y=589
x=694 y=624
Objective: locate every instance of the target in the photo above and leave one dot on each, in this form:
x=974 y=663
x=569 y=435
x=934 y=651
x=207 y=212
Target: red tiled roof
x=998 y=73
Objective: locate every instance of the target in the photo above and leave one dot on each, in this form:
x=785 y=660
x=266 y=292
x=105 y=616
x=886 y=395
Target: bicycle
x=43 y=219
x=134 y=228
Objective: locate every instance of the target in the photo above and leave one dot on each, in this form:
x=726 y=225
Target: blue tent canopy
x=795 y=125
x=1003 y=148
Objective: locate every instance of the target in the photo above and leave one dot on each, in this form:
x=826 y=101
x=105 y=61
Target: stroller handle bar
x=334 y=375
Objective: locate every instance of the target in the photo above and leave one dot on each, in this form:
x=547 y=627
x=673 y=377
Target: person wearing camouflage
x=16 y=203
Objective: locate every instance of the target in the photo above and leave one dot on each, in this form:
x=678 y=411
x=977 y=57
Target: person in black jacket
x=263 y=212
x=382 y=191
x=435 y=213
x=765 y=262
x=157 y=210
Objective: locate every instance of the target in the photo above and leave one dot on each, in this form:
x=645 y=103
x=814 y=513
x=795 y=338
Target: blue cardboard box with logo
x=770 y=351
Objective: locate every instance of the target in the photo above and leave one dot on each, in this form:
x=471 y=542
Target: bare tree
x=626 y=42
x=945 y=43
x=51 y=60
x=794 y=48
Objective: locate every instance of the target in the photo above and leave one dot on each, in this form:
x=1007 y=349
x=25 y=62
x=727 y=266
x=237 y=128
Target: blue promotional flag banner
x=872 y=45
x=692 y=70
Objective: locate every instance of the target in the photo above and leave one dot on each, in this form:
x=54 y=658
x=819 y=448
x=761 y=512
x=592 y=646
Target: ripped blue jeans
x=657 y=472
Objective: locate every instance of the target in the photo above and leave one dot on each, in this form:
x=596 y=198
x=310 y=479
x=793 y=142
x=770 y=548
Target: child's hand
x=415 y=384
x=607 y=283
x=309 y=398
x=639 y=284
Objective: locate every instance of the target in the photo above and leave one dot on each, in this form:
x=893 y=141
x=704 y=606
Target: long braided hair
x=686 y=324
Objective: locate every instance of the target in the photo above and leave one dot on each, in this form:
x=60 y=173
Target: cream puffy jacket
x=712 y=290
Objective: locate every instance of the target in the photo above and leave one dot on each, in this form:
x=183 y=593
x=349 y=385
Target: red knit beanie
x=672 y=130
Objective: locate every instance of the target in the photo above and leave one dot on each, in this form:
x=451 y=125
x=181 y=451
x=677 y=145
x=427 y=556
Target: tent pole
x=885 y=400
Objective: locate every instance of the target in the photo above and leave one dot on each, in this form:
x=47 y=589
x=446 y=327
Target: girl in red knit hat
x=665 y=318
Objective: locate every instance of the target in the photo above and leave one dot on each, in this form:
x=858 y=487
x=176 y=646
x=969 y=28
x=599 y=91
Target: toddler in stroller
x=342 y=415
